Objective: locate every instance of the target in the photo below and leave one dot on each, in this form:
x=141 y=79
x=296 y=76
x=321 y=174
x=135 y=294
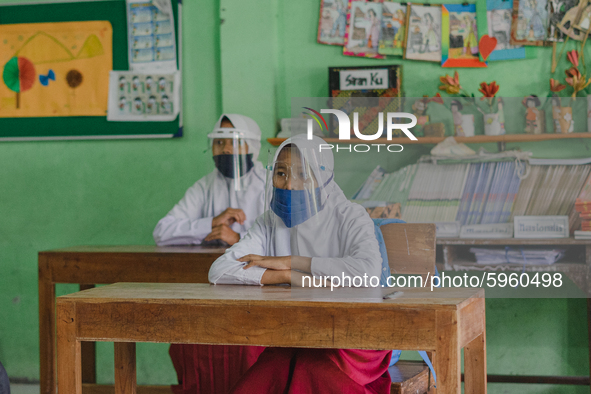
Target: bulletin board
x=93 y=126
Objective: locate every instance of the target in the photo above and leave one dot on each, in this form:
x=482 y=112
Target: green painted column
x=248 y=48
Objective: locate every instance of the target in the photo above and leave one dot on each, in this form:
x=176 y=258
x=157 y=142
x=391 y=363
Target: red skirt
x=211 y=369
x=318 y=371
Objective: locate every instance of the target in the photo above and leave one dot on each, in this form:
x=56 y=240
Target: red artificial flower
x=450 y=85
x=573 y=72
x=573 y=57
x=436 y=99
x=556 y=86
x=488 y=90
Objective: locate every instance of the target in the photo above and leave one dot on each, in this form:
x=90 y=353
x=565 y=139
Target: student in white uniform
x=310 y=229
x=219 y=208
x=311 y=223
x=224 y=204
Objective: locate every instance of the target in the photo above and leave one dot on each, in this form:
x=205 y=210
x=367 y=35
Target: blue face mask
x=295 y=206
x=225 y=164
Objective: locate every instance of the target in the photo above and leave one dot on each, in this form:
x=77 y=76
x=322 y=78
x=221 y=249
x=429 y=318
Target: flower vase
x=493 y=125
x=464 y=128
x=563 y=119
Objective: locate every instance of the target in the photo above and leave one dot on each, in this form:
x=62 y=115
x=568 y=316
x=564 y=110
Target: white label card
x=364 y=79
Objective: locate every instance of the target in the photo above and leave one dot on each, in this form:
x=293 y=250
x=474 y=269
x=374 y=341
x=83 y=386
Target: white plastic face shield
x=231 y=154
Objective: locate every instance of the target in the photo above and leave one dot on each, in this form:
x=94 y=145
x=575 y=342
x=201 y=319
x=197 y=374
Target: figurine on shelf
x=562 y=112
x=419 y=109
x=455 y=108
x=534 y=116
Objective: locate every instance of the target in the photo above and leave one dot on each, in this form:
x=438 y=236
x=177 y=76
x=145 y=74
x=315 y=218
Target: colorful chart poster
x=140 y=97
x=55 y=69
x=151 y=42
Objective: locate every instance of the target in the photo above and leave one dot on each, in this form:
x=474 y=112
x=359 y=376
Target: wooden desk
x=442 y=322
x=90 y=265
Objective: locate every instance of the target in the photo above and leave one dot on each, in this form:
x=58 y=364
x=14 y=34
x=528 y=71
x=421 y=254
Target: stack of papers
x=582 y=234
x=517 y=256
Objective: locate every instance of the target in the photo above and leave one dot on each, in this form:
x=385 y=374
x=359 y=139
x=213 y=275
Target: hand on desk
x=280 y=269
x=223 y=232
x=229 y=217
x=276 y=263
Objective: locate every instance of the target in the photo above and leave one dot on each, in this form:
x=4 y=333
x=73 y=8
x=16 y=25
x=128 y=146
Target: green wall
x=56 y=194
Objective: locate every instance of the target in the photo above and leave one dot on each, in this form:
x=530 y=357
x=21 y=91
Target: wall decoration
x=37 y=61
x=135 y=96
x=584 y=21
x=364 y=27
x=393 y=28
x=459 y=36
x=498 y=13
x=367 y=91
x=569 y=23
x=152 y=43
x=332 y=23
x=423 y=33
x=562 y=112
x=530 y=22
x=557 y=10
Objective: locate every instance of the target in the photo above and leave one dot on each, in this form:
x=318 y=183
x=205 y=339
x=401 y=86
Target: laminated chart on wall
x=55 y=69
x=151 y=36
x=137 y=96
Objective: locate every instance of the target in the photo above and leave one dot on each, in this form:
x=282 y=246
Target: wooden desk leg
x=69 y=367
x=447 y=360
x=125 y=375
x=88 y=354
x=475 y=366
x=46 y=328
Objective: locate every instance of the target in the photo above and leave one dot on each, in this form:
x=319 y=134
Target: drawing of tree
x=19 y=76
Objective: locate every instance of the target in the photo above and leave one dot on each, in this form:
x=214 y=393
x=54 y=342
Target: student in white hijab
x=224 y=204
x=337 y=236
x=311 y=229
x=219 y=208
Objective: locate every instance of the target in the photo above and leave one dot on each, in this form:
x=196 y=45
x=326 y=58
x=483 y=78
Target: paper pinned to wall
x=55 y=69
x=151 y=36
x=140 y=97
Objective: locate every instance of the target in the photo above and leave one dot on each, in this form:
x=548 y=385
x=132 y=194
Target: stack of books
x=481 y=193
x=550 y=190
x=435 y=193
x=384 y=188
x=489 y=193
x=471 y=193
x=525 y=256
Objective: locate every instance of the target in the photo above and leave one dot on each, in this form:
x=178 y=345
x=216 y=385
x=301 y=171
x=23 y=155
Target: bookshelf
x=577 y=266
x=477 y=139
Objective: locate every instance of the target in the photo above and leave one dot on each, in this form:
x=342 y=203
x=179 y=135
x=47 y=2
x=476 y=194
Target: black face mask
x=225 y=164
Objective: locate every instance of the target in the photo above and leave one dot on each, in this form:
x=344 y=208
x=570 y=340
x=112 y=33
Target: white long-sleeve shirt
x=189 y=221
x=340 y=239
